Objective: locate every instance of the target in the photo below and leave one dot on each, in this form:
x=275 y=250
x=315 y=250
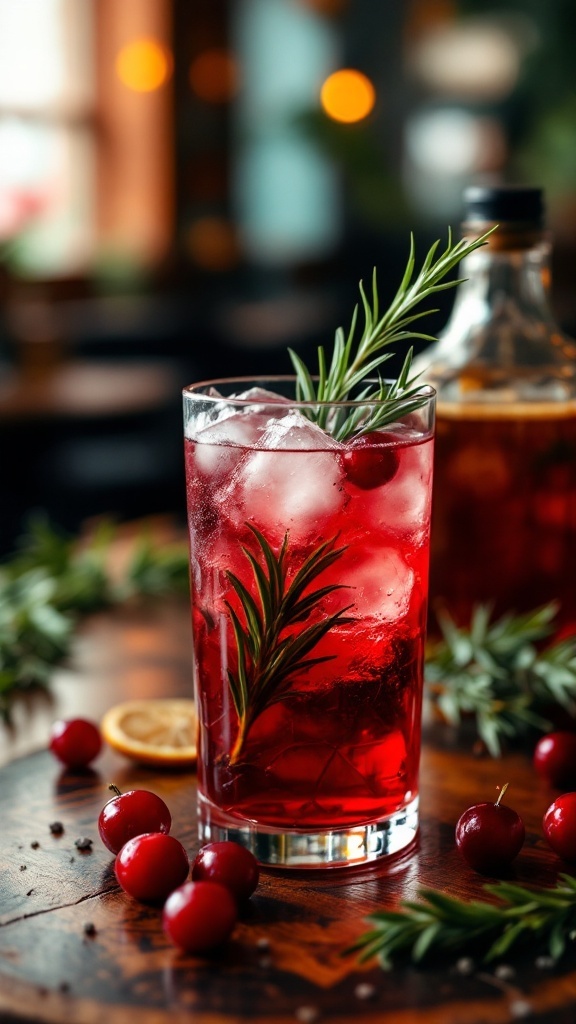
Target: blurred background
x=188 y=187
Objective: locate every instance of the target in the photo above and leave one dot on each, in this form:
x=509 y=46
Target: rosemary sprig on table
x=269 y=654
x=436 y=923
x=53 y=580
x=499 y=673
x=353 y=362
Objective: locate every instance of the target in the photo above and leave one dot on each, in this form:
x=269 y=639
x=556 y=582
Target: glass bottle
x=504 y=514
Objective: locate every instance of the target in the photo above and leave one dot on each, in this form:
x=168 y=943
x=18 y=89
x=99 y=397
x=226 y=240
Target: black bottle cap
x=504 y=203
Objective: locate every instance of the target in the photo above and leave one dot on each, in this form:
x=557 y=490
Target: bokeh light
x=328 y=7
x=144 y=65
x=452 y=141
x=214 y=75
x=348 y=96
x=212 y=243
x=478 y=59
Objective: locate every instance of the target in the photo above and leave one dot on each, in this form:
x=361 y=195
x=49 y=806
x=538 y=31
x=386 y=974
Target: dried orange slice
x=159 y=732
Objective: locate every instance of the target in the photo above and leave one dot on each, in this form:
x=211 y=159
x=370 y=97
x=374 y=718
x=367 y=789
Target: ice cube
x=317 y=770
x=383 y=762
x=296 y=432
x=203 y=414
x=260 y=396
x=295 y=484
x=222 y=445
x=381 y=583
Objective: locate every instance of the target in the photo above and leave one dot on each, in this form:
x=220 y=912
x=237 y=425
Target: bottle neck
x=505 y=283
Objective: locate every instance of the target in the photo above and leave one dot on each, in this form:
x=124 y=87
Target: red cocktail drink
x=309 y=572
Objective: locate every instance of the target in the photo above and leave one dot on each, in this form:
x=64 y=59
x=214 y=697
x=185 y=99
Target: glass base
x=348 y=847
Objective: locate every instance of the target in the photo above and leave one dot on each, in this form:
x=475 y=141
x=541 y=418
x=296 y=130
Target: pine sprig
x=269 y=654
x=437 y=923
x=500 y=674
x=354 y=361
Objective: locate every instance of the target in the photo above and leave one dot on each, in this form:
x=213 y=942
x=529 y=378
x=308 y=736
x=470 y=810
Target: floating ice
x=203 y=413
x=222 y=445
x=295 y=483
x=260 y=396
x=295 y=432
x=381 y=583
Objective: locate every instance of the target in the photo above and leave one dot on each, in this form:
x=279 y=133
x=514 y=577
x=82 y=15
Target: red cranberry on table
x=559 y=824
x=199 y=916
x=555 y=758
x=75 y=741
x=490 y=835
x=131 y=814
x=231 y=865
x=149 y=867
x=371 y=461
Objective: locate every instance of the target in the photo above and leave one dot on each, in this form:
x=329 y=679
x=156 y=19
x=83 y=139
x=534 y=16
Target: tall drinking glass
x=309 y=578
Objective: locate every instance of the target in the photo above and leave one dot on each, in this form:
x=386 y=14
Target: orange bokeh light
x=212 y=243
x=325 y=6
x=214 y=76
x=348 y=96
x=144 y=65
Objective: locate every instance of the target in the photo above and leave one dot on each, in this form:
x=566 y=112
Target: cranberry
x=490 y=835
x=149 y=867
x=130 y=814
x=75 y=742
x=559 y=824
x=555 y=758
x=199 y=915
x=370 y=460
x=231 y=865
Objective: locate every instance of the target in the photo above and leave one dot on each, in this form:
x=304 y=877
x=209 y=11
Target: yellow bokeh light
x=348 y=96
x=214 y=75
x=144 y=65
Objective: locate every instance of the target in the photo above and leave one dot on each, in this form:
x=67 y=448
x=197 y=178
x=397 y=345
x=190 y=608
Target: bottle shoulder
x=500 y=362
x=501 y=349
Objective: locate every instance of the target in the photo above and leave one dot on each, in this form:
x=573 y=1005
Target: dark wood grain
x=52 y=971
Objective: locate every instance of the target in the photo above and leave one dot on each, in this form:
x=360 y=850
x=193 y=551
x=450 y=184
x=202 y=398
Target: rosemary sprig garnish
x=352 y=363
x=440 y=923
x=269 y=654
x=499 y=673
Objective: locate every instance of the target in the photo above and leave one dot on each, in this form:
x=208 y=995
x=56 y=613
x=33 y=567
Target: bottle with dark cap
x=504 y=521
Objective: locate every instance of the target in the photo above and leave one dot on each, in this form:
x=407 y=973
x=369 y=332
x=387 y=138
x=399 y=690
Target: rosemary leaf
x=501 y=673
x=438 y=923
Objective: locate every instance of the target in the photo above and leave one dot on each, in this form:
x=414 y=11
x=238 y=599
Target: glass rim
x=425 y=392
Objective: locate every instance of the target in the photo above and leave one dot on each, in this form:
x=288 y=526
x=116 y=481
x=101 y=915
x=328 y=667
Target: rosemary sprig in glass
x=500 y=674
x=269 y=654
x=353 y=362
x=436 y=923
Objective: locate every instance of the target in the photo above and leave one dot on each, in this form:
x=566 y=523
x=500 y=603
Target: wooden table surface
x=127 y=973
